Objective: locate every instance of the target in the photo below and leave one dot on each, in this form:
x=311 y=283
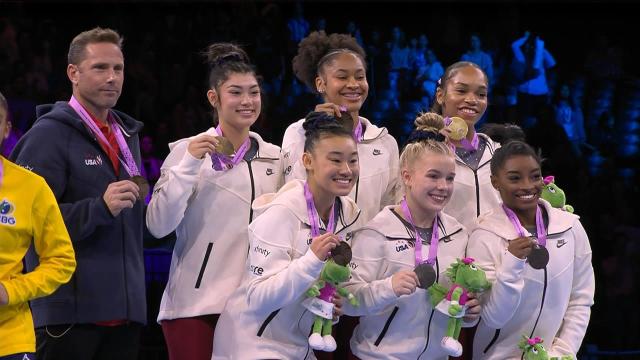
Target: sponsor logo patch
x=6 y=211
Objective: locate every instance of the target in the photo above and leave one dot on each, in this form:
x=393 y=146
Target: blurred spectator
x=479 y=57
x=570 y=118
x=603 y=61
x=399 y=56
x=531 y=59
x=353 y=30
x=298 y=27
x=429 y=74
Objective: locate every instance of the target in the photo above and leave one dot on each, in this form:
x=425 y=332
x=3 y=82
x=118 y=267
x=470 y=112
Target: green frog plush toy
x=533 y=350
x=465 y=277
x=554 y=195
x=334 y=272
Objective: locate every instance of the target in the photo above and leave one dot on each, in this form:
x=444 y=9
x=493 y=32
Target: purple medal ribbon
x=433 y=247
x=314 y=218
x=542 y=235
x=222 y=161
x=471 y=145
x=357 y=132
x=128 y=163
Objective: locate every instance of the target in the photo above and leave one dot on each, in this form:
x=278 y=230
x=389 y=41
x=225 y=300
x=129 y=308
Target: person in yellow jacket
x=29 y=214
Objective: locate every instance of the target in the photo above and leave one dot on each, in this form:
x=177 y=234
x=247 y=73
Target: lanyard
x=129 y=163
x=314 y=219
x=357 y=132
x=471 y=145
x=542 y=236
x=433 y=247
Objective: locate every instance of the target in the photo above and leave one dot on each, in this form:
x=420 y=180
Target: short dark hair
x=95 y=35
x=224 y=59
x=319 y=125
x=511 y=149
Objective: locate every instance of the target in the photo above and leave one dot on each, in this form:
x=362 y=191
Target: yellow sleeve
x=54 y=249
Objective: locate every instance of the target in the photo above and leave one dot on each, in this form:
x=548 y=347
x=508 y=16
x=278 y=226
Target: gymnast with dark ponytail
x=205 y=193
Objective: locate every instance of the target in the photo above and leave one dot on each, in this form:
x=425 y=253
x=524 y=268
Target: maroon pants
x=190 y=338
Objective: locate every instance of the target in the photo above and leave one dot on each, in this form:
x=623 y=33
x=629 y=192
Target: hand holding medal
x=404 y=282
x=456 y=128
x=533 y=249
x=204 y=144
x=224 y=157
x=143 y=186
x=521 y=247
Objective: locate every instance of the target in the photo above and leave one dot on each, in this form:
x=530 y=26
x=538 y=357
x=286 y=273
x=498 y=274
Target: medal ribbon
x=314 y=218
x=128 y=163
x=433 y=247
x=542 y=235
x=357 y=132
x=222 y=161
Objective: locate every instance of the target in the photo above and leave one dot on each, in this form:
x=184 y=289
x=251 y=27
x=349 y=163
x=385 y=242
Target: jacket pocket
x=204 y=265
x=386 y=326
x=266 y=322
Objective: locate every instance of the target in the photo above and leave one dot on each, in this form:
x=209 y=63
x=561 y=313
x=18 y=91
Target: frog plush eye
x=551 y=189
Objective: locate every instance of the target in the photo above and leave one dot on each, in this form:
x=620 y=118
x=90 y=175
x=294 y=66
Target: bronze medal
x=538 y=257
x=224 y=146
x=426 y=275
x=143 y=184
x=346 y=120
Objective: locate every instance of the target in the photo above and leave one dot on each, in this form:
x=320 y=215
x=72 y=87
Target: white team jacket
x=558 y=299
x=378 y=185
x=264 y=318
x=210 y=211
x=473 y=193
x=392 y=327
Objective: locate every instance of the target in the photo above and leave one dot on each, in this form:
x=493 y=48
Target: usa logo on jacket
x=94 y=160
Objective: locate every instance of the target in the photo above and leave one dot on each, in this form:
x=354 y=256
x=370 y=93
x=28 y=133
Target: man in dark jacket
x=89 y=154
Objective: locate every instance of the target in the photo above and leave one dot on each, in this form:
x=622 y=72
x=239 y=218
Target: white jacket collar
x=371 y=131
x=291 y=196
x=491 y=147
x=497 y=222
x=389 y=225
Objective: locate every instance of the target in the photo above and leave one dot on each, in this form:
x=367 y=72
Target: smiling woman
x=266 y=317
x=203 y=174
x=463 y=92
x=546 y=282
x=334 y=67
x=407 y=247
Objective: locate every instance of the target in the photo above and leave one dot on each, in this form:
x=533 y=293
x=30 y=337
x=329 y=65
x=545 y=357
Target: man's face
x=98 y=78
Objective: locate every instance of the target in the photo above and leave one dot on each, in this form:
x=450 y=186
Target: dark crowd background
x=587 y=124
